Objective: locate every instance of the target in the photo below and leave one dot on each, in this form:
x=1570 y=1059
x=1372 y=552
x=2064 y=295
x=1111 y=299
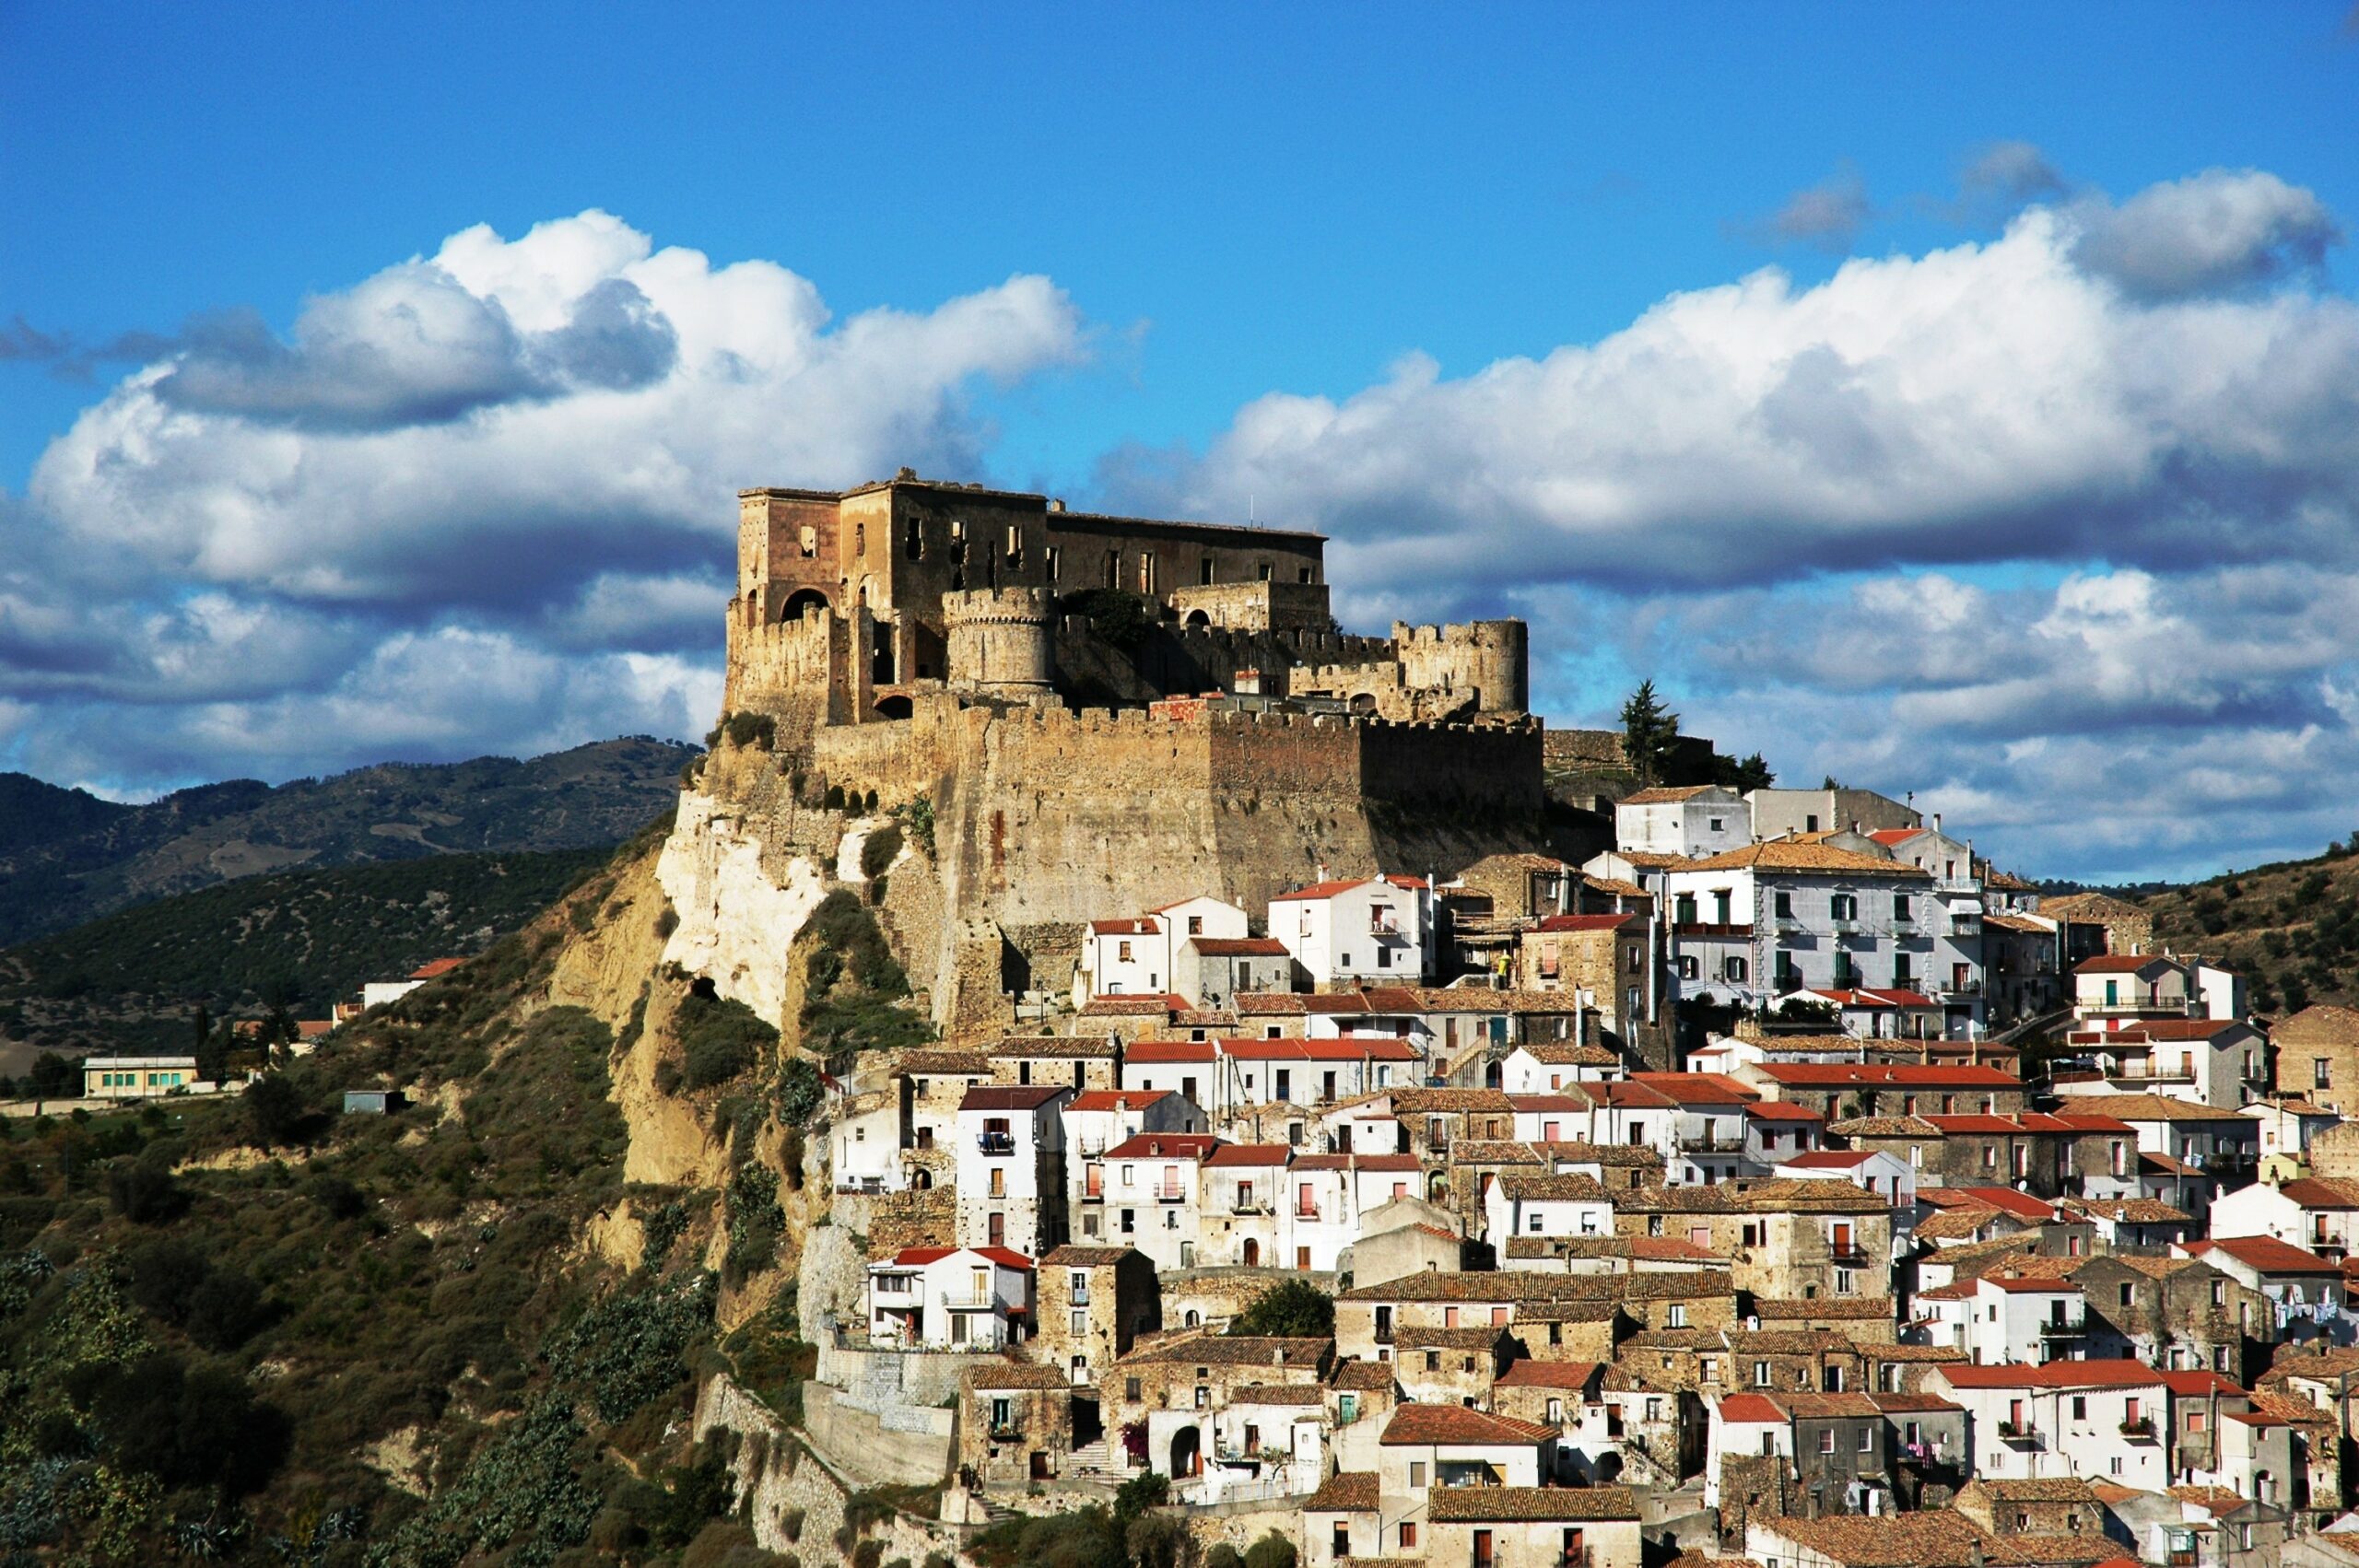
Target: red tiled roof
x=1328 y=889
x=918 y=1256
x=1845 y=1074
x=2319 y=1192
x=1347 y=1048
x=2119 y=963
x=2008 y=1199
x=438 y=967
x=1011 y=1096
x=2054 y=1375
x=1546 y=1375
x=1147 y=1053
x=1778 y=1110
x=1116 y=1099
x=1697 y=1088
x=2188 y=1384
x=2265 y=1253
x=1750 y=1408
x=1164 y=1146
x=1125 y=928
x=1830 y=1159
x=1456 y=1423
x=1587 y=922
x=1248 y=1154
x=1238 y=946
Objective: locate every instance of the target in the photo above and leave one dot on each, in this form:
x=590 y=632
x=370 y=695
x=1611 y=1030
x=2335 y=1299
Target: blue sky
x=1367 y=211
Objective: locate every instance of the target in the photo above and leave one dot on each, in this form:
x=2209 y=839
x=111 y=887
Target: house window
x=1408 y=1528
x=2080 y=1407
x=1867 y=1440
x=1761 y=1375
x=2321 y=1075
x=1900 y=907
x=1416 y=1473
x=1826 y=1441
x=1783 y=903
x=1737 y=969
x=1843 y=906
x=1080 y=1321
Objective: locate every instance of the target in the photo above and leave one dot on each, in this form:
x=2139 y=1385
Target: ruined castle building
x=850 y=604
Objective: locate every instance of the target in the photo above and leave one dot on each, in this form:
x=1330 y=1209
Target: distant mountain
x=301 y=939
x=68 y=858
x=2292 y=929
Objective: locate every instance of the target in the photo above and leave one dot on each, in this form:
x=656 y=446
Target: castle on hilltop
x=852 y=607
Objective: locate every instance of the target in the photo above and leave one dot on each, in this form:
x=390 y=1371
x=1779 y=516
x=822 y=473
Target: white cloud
x=2220 y=229
x=1984 y=403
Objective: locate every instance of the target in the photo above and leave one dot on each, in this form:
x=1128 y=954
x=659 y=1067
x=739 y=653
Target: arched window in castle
x=1268 y=571
x=1146 y=573
x=810 y=542
x=913 y=538
x=1303 y=574
x=1205 y=572
x=860 y=540
x=1113 y=569
x=1014 y=545
x=1055 y=559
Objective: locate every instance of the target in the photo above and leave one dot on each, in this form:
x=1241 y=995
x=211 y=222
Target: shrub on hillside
x=1289 y=1309
x=185 y=1425
x=145 y=1194
x=718 y=1040
x=878 y=849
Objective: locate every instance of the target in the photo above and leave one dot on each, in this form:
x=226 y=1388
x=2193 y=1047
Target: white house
x=1374 y=929
x=1563 y=1205
x=2098 y=1420
x=1755 y=925
x=2023 y=1321
x=2322 y=1216
x=1140 y=955
x=1744 y=1426
x=2205 y=1061
x=950 y=1297
x=1235 y=1076
x=1691 y=822
x=1878 y=1171
x=1011 y=1166
x=1538 y=1067
x=2115 y=989
x=1145 y=1193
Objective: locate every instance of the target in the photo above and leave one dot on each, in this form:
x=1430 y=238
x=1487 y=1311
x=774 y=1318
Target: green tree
x=1649 y=730
x=276 y=1108
x=1273 y=1550
x=1294 y=1309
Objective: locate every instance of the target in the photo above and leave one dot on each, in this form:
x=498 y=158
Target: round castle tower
x=1001 y=641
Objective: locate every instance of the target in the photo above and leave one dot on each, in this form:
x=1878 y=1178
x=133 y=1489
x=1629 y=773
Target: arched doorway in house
x=1187 y=1453
x=1252 y=1257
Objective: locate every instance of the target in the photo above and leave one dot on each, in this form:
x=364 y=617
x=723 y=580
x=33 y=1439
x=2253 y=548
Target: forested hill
x=2292 y=928
x=132 y=981
x=68 y=857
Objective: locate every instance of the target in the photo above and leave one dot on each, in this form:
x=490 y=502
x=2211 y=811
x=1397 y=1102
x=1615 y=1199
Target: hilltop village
x=1317 y=1123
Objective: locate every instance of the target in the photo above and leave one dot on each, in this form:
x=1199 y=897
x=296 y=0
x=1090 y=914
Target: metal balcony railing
x=2068 y=1329
x=2139 y=1428
x=1306 y=1210
x=1169 y=1193
x=2019 y=1433
x=996 y=1142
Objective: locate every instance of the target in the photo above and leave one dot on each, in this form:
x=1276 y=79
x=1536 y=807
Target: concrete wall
x=899 y=1445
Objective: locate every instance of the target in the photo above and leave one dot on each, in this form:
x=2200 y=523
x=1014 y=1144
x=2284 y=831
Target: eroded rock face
x=740 y=905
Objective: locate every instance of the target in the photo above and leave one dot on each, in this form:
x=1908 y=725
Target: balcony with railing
x=1170 y=1192
x=1306 y=1209
x=2138 y=1429
x=2020 y=1435
x=995 y=1142
x=1245 y=1203
x=2063 y=1328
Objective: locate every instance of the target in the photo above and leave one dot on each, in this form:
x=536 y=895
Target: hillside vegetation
x=2292 y=928
x=256 y=1330
x=66 y=857
x=299 y=939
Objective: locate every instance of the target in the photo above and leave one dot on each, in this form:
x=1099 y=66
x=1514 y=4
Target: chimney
x=1937 y=821
x=1056 y=503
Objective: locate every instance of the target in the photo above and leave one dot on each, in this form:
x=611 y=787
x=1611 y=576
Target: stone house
x=1925 y=1437
x=1876 y=1171
x=1080 y=1062
x=1011 y=1166
x=1163 y=1397
x=1785 y=1239
x=1210 y=971
x=1439 y=1119
x=2302 y=1297
x=1093 y=1303
x=1602 y=959
x=1404 y=1235
x=1361 y=1396
x=933 y=1085
x=2171 y=1312
x=2317 y=1055
x=2051 y=1506
x=2146 y=1226
x=1450 y=1366
x=1540 y=1526
x=1240 y=1211
x=1571 y=1396
x=1783 y=1361
x=1840 y=1089
x=1835 y=1443
x=1015 y=1424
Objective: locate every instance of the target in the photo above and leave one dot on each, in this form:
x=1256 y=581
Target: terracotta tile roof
x=1549 y=1375
x=2322 y=1192
x=1567 y=1188
x=1233 y=1350
x=1934 y=1539
x=1421 y=1425
x=2266 y=1254
x=1058 y=1048
x=1125 y=928
x=2055 y=1375
x=2122 y=963
x=1618 y=1155
x=1146 y=1006
x=1275 y=1003
x=2150 y=1107
x=2213 y=1500
x=1565 y=1053
x=2191 y=1384
x=1666 y=795
x=1877 y=1074
x=1116 y=1099
x=1698 y=1088
x=1148 y=1053
x=1493 y=1151
x=1346 y=1492
x=1363 y=1376
x=1011 y=1096
x=1072 y=1257
x=1481 y=1338
x=2053 y=1550
x=1328 y=889
x=1554 y=924
x=1238 y=946
x=1778 y=1110
x=1750 y=1408
x=949 y=1062
x=1165 y=1146
x=1246 y=1154
x=1786 y=855
x=435 y=967
x=1831 y=1407
x=1916 y=1404
x=1017 y=1374
x=1786 y=1341
x=2129 y=1210
x=1830 y=1309
x=1278 y=1394
x=1432 y=1101
x=1913 y=1353
x=1510 y=1504
x=1957 y=1225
